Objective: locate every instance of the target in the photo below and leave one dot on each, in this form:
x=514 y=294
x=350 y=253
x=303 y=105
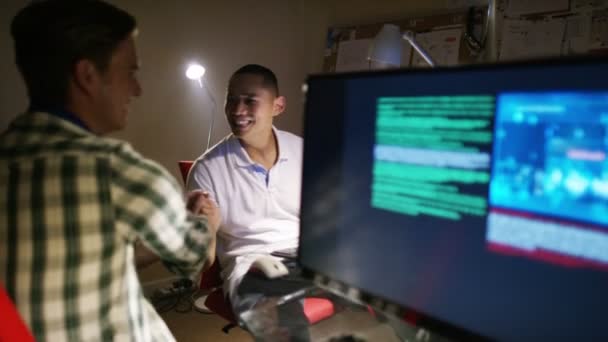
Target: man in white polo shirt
x=254 y=175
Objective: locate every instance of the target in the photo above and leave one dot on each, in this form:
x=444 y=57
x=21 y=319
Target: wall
x=348 y=12
x=170 y=121
x=12 y=90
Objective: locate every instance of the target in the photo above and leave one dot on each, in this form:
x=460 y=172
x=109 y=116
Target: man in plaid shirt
x=72 y=203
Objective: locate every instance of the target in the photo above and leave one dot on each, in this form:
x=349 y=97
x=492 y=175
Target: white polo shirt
x=260 y=209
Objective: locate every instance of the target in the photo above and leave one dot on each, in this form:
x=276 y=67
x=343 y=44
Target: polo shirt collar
x=241 y=158
x=63 y=114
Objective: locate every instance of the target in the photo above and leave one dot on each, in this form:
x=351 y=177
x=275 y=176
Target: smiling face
x=251 y=107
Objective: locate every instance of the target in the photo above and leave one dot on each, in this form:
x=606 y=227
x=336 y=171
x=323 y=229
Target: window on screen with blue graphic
x=549 y=188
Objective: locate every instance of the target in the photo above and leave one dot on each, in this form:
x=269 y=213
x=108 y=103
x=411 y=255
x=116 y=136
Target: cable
x=476 y=45
x=172 y=298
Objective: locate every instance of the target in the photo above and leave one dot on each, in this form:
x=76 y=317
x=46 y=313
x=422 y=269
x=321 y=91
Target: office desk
x=350 y=322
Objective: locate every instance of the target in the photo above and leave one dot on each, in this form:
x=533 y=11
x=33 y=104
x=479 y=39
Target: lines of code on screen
x=432 y=155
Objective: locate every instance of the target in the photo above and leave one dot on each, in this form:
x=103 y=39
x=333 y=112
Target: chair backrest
x=211 y=278
x=12 y=327
x=184 y=168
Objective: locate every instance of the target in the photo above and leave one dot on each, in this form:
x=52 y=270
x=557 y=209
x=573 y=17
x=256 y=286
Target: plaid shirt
x=71 y=206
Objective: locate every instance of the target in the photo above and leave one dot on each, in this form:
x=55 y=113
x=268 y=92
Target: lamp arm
x=203 y=85
x=427 y=58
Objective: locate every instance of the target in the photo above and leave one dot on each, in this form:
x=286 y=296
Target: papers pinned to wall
x=442 y=45
x=542 y=28
x=526 y=7
x=352 y=55
x=586 y=4
x=599 y=30
x=578 y=34
x=530 y=39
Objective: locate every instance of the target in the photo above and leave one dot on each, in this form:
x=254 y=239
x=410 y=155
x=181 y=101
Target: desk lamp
x=195 y=72
x=386 y=47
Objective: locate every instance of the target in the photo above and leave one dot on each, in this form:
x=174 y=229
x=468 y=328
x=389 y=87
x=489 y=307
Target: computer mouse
x=271 y=267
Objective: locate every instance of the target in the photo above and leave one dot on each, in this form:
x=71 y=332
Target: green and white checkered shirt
x=71 y=206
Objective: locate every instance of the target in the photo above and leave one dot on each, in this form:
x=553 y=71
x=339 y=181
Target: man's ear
x=280 y=102
x=85 y=76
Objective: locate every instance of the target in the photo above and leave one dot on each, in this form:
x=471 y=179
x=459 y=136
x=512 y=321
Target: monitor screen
x=476 y=197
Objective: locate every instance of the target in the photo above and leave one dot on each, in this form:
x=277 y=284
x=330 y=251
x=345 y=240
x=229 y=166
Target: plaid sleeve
x=150 y=206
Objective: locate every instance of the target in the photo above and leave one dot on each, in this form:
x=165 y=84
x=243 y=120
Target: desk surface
x=350 y=322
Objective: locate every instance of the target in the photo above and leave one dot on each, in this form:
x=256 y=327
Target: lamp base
x=199 y=305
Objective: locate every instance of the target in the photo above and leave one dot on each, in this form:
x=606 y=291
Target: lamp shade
x=195 y=71
x=386 y=47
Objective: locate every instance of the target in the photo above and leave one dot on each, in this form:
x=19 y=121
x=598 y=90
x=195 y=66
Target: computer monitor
x=475 y=197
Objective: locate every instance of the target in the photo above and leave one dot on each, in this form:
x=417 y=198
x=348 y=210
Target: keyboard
x=287 y=253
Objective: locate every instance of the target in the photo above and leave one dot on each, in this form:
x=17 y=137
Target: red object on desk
x=317 y=309
x=12 y=327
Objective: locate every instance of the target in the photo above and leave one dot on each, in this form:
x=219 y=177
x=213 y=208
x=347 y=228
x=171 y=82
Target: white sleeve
x=200 y=178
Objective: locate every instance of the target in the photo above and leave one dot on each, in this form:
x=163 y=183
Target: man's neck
x=83 y=112
x=60 y=112
x=263 y=151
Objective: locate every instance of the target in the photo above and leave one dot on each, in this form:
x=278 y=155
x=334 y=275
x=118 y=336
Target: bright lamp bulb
x=195 y=71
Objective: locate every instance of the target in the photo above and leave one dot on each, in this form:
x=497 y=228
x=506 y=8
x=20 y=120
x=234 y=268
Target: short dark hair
x=269 y=79
x=51 y=36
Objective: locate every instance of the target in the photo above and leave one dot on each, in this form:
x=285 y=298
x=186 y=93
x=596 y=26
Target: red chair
x=184 y=168
x=12 y=327
x=315 y=309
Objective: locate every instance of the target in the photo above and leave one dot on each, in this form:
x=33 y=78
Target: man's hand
x=200 y=203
